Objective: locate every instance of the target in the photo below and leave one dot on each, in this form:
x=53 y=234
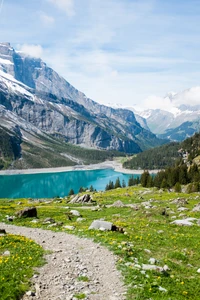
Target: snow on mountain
x=182 y=107
x=13 y=85
x=44 y=99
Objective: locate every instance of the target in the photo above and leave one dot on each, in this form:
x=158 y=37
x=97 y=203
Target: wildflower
x=185 y=293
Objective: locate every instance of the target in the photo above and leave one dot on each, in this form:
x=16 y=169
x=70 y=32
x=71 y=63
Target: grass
x=16 y=268
x=148 y=234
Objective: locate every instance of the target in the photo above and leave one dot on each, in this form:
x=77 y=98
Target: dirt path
x=71 y=258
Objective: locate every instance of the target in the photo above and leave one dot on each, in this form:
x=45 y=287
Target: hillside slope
x=166 y=155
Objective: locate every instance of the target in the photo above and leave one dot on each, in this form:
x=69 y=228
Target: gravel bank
x=70 y=258
x=117 y=166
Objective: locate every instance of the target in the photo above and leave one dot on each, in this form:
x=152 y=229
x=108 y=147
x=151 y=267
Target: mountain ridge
x=48 y=103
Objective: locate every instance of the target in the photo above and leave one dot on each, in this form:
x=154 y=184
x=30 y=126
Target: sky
x=130 y=52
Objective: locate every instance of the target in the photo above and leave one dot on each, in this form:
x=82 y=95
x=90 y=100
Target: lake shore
x=117 y=166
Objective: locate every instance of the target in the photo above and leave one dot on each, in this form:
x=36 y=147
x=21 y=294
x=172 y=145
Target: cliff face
x=42 y=98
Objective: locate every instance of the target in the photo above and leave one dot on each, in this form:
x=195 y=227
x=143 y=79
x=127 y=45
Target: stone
x=118 y=203
x=182 y=208
x=69 y=227
x=80 y=219
x=180 y=201
x=75 y=213
x=28 y=212
x=97 y=224
x=162 y=289
x=34 y=221
x=147 y=251
x=198 y=271
x=184 y=222
x=134 y=206
x=86 y=198
x=152 y=268
x=6 y=253
x=30 y=293
x=49 y=220
x=166 y=268
x=196 y=208
x=10 y=218
x=152 y=261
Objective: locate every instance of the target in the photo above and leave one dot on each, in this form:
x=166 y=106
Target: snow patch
x=5 y=61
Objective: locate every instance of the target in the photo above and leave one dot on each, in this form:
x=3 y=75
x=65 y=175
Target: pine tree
x=117 y=183
x=123 y=183
x=71 y=192
x=91 y=188
x=131 y=181
x=81 y=190
x=144 y=178
x=177 y=187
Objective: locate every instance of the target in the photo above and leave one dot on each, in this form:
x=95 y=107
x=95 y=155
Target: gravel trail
x=70 y=258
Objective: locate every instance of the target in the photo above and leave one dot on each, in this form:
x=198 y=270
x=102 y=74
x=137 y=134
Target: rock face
x=43 y=99
x=87 y=198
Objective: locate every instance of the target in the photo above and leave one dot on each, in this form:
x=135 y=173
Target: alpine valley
x=46 y=122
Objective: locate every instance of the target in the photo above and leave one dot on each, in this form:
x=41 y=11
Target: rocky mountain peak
x=45 y=100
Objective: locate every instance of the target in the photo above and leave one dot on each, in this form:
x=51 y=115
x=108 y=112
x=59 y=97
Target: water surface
x=47 y=185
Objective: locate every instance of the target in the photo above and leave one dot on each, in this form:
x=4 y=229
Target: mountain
x=181 y=132
x=165 y=156
x=180 y=120
x=39 y=101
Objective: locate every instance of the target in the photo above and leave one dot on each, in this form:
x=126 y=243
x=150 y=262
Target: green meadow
x=148 y=235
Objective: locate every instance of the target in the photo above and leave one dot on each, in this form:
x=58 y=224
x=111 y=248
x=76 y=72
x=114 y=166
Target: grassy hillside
x=149 y=237
x=165 y=156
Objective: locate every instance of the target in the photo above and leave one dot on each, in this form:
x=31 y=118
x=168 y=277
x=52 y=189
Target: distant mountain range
x=178 y=122
x=38 y=105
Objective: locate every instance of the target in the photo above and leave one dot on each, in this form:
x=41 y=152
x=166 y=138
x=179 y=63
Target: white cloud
x=46 y=19
x=65 y=5
x=187 y=97
x=32 y=50
x=154 y=102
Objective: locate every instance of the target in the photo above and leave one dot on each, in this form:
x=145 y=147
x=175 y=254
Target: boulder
x=75 y=213
x=49 y=220
x=196 y=208
x=86 y=198
x=101 y=225
x=180 y=201
x=28 y=212
x=184 y=222
x=118 y=203
x=104 y=225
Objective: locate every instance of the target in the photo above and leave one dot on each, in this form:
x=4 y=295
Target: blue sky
x=130 y=52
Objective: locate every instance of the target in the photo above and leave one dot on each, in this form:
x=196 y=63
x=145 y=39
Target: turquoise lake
x=47 y=185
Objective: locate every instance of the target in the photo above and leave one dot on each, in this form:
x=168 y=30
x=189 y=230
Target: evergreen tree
x=123 y=183
x=164 y=184
x=71 y=192
x=117 y=183
x=150 y=182
x=177 y=187
x=81 y=190
x=91 y=189
x=144 y=178
x=131 y=181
